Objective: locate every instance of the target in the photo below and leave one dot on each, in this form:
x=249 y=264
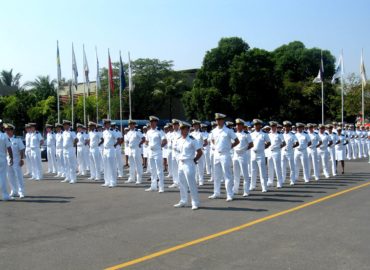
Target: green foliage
x=8 y=79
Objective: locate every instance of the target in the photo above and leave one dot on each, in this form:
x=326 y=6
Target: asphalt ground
x=86 y=226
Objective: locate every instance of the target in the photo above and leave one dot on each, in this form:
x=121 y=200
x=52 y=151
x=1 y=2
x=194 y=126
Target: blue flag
x=122 y=73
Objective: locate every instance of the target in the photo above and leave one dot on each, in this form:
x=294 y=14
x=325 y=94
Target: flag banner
x=338 y=70
x=74 y=67
x=320 y=75
x=110 y=74
x=59 y=70
x=130 y=86
x=363 y=71
x=98 y=85
x=122 y=73
x=86 y=67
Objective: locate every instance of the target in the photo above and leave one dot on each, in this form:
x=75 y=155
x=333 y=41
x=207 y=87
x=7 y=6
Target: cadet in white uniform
x=27 y=153
x=5 y=148
x=347 y=132
x=15 y=175
x=36 y=141
x=364 y=142
x=291 y=142
x=224 y=140
x=206 y=149
x=118 y=148
x=81 y=141
x=50 y=150
x=174 y=137
x=168 y=147
x=111 y=140
x=323 y=150
x=198 y=136
x=313 y=156
x=260 y=142
x=331 y=148
x=186 y=148
x=156 y=140
x=274 y=161
x=340 y=148
x=358 y=134
x=134 y=139
x=96 y=162
x=69 y=152
x=241 y=159
x=300 y=154
x=59 y=150
x=212 y=151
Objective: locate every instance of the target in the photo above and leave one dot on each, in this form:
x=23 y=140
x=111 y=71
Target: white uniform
x=119 y=153
x=301 y=156
x=186 y=148
x=27 y=154
x=174 y=137
x=364 y=143
x=199 y=175
x=110 y=157
x=96 y=161
x=154 y=138
x=332 y=156
x=168 y=154
x=51 y=152
x=340 y=148
x=274 y=161
x=324 y=153
x=59 y=154
x=358 y=134
x=35 y=152
x=211 y=155
x=69 y=154
x=4 y=144
x=134 y=138
x=287 y=156
x=348 y=134
x=15 y=175
x=241 y=160
x=313 y=156
x=81 y=158
x=206 y=150
x=258 y=159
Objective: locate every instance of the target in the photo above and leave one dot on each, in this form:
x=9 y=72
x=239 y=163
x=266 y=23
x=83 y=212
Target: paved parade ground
x=86 y=226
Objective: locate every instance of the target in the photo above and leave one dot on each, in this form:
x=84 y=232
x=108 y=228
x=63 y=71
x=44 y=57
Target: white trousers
x=359 y=148
x=81 y=160
x=222 y=167
x=274 y=165
x=169 y=162
x=364 y=149
x=332 y=161
x=36 y=166
x=324 y=157
x=3 y=182
x=95 y=163
x=156 y=170
x=175 y=170
x=199 y=174
x=51 y=155
x=301 y=158
x=313 y=162
x=60 y=162
x=70 y=163
x=119 y=161
x=15 y=177
x=258 y=160
x=288 y=158
x=349 y=151
x=136 y=165
x=110 y=166
x=27 y=154
x=187 y=182
x=240 y=166
x=207 y=158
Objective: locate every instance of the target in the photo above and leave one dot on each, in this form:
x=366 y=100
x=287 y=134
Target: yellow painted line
x=231 y=230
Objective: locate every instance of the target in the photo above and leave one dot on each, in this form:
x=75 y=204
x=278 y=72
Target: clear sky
x=178 y=30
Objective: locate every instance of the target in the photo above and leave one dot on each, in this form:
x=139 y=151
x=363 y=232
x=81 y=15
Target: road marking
x=231 y=230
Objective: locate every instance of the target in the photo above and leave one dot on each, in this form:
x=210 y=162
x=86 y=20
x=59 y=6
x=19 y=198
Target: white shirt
x=205 y=135
x=290 y=140
x=223 y=138
x=341 y=146
x=68 y=139
x=35 y=139
x=133 y=138
x=118 y=136
x=325 y=138
x=174 y=137
x=110 y=138
x=303 y=140
x=315 y=139
x=154 y=138
x=81 y=139
x=259 y=139
x=4 y=144
x=186 y=148
x=95 y=138
x=334 y=139
x=50 y=139
x=244 y=140
x=59 y=140
x=197 y=135
x=28 y=139
x=17 y=146
x=277 y=140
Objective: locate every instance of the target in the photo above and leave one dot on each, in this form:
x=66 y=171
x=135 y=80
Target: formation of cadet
x=185 y=152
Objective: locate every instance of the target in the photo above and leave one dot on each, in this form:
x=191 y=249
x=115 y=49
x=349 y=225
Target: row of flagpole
x=86 y=83
x=339 y=74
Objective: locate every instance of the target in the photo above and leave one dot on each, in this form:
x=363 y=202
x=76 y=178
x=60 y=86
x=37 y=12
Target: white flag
x=363 y=71
x=74 y=67
x=130 y=86
x=320 y=76
x=86 y=67
x=338 y=69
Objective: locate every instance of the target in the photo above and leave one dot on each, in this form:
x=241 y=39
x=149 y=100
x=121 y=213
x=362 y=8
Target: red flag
x=110 y=74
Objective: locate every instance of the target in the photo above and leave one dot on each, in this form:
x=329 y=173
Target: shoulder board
x=264 y=132
x=37 y=132
x=305 y=132
x=315 y=132
x=191 y=137
x=335 y=133
x=111 y=129
x=326 y=133
x=247 y=132
x=52 y=132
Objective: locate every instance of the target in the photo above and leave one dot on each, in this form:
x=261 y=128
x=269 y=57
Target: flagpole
x=362 y=93
x=84 y=103
x=96 y=87
x=120 y=97
x=341 y=81
x=58 y=86
x=130 y=85
x=108 y=89
x=322 y=102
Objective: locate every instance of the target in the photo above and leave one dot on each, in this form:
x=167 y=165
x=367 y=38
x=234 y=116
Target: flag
x=363 y=71
x=130 y=86
x=74 y=67
x=59 y=70
x=338 y=69
x=110 y=74
x=320 y=76
x=86 y=67
x=98 y=85
x=121 y=73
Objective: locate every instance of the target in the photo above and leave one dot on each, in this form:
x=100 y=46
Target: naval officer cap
x=195 y=122
x=153 y=118
x=32 y=124
x=266 y=127
x=175 y=121
x=219 y=116
x=329 y=126
x=131 y=121
x=273 y=123
x=287 y=123
x=66 y=122
x=91 y=123
x=26 y=125
x=9 y=126
x=126 y=129
x=48 y=126
x=229 y=124
x=239 y=121
x=203 y=125
x=79 y=125
x=321 y=126
x=106 y=121
x=213 y=123
x=339 y=128
x=257 y=122
x=58 y=125
x=335 y=123
x=309 y=125
x=184 y=124
x=299 y=124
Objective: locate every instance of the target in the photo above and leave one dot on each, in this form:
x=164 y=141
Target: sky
x=178 y=30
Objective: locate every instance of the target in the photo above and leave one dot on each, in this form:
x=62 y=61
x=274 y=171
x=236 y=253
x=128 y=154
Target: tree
x=42 y=87
x=44 y=111
x=8 y=79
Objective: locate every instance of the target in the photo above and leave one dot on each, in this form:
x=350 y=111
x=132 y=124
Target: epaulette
x=305 y=132
x=315 y=132
x=37 y=132
x=191 y=137
x=247 y=132
x=335 y=133
x=111 y=129
x=52 y=132
x=264 y=131
x=326 y=133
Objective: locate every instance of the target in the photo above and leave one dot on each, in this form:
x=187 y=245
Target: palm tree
x=42 y=87
x=168 y=89
x=7 y=78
